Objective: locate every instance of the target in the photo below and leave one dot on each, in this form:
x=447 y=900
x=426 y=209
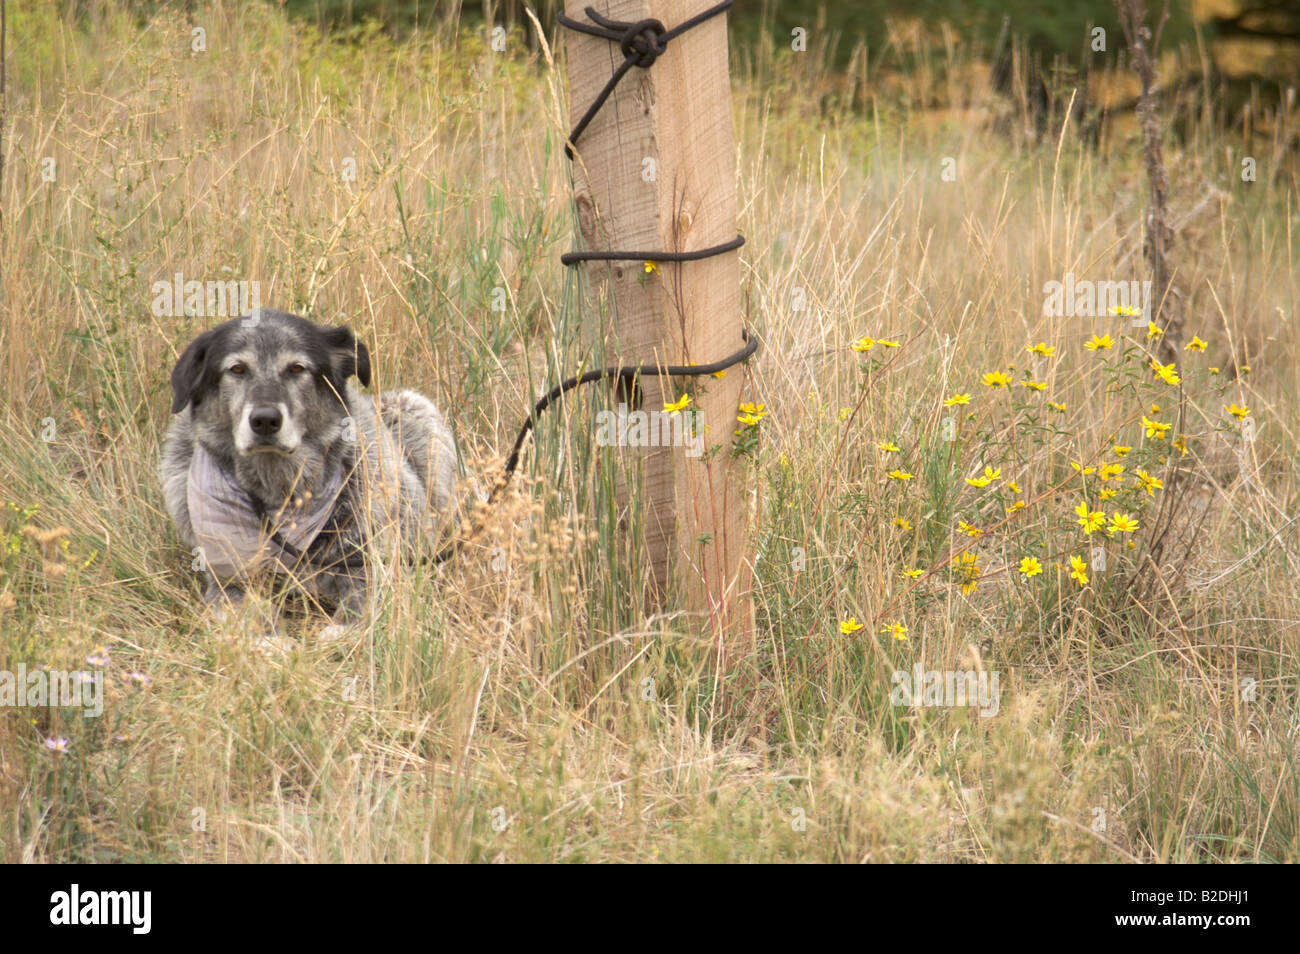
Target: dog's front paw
x=251 y=623
x=272 y=644
x=347 y=620
x=336 y=633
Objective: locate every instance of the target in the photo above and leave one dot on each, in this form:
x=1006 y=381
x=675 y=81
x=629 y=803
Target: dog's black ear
x=193 y=375
x=348 y=356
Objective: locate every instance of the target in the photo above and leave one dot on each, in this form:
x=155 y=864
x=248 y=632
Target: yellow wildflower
x=750 y=413
x=1149 y=484
x=1079 y=571
x=1090 y=521
x=1154 y=429
x=678 y=406
x=1165 y=372
x=968 y=572
x=1122 y=523
x=1030 y=567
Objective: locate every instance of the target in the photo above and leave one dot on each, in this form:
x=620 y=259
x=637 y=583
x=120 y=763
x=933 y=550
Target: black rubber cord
x=641 y=43
x=625 y=372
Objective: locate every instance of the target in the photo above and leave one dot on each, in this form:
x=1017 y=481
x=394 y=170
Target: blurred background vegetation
x=1241 y=55
x=1049 y=27
x=1244 y=53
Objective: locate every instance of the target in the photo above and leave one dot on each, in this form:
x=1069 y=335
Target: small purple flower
x=57 y=745
x=98 y=658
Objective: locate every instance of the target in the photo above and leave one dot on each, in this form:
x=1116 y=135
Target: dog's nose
x=265 y=420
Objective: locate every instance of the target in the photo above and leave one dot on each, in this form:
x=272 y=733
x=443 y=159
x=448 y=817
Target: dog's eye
x=296 y=368
x=236 y=369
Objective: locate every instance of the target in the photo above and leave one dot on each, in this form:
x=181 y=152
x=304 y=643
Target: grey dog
x=275 y=461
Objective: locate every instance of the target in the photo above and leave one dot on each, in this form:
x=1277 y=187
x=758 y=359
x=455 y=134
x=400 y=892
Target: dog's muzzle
x=263 y=430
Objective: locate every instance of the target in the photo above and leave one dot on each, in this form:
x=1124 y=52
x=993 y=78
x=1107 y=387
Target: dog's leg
x=221 y=597
x=351 y=593
x=226 y=605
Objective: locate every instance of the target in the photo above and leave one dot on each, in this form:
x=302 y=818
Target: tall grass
x=524 y=702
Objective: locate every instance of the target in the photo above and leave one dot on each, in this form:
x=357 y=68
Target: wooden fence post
x=655 y=170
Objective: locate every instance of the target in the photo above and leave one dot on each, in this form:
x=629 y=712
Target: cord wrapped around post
x=641 y=43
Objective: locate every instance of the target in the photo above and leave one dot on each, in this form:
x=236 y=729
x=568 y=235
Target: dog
x=275 y=461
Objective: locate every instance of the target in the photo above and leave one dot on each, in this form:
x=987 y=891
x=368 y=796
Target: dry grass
x=522 y=703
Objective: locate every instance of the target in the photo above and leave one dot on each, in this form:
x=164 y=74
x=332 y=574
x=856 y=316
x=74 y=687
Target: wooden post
x=655 y=170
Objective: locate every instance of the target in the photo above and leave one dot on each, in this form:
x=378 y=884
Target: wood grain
x=677 y=114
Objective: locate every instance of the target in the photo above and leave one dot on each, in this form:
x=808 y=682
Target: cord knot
x=643 y=40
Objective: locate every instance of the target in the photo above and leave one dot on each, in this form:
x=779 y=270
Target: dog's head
x=269 y=383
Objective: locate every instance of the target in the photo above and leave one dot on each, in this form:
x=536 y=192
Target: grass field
x=523 y=703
